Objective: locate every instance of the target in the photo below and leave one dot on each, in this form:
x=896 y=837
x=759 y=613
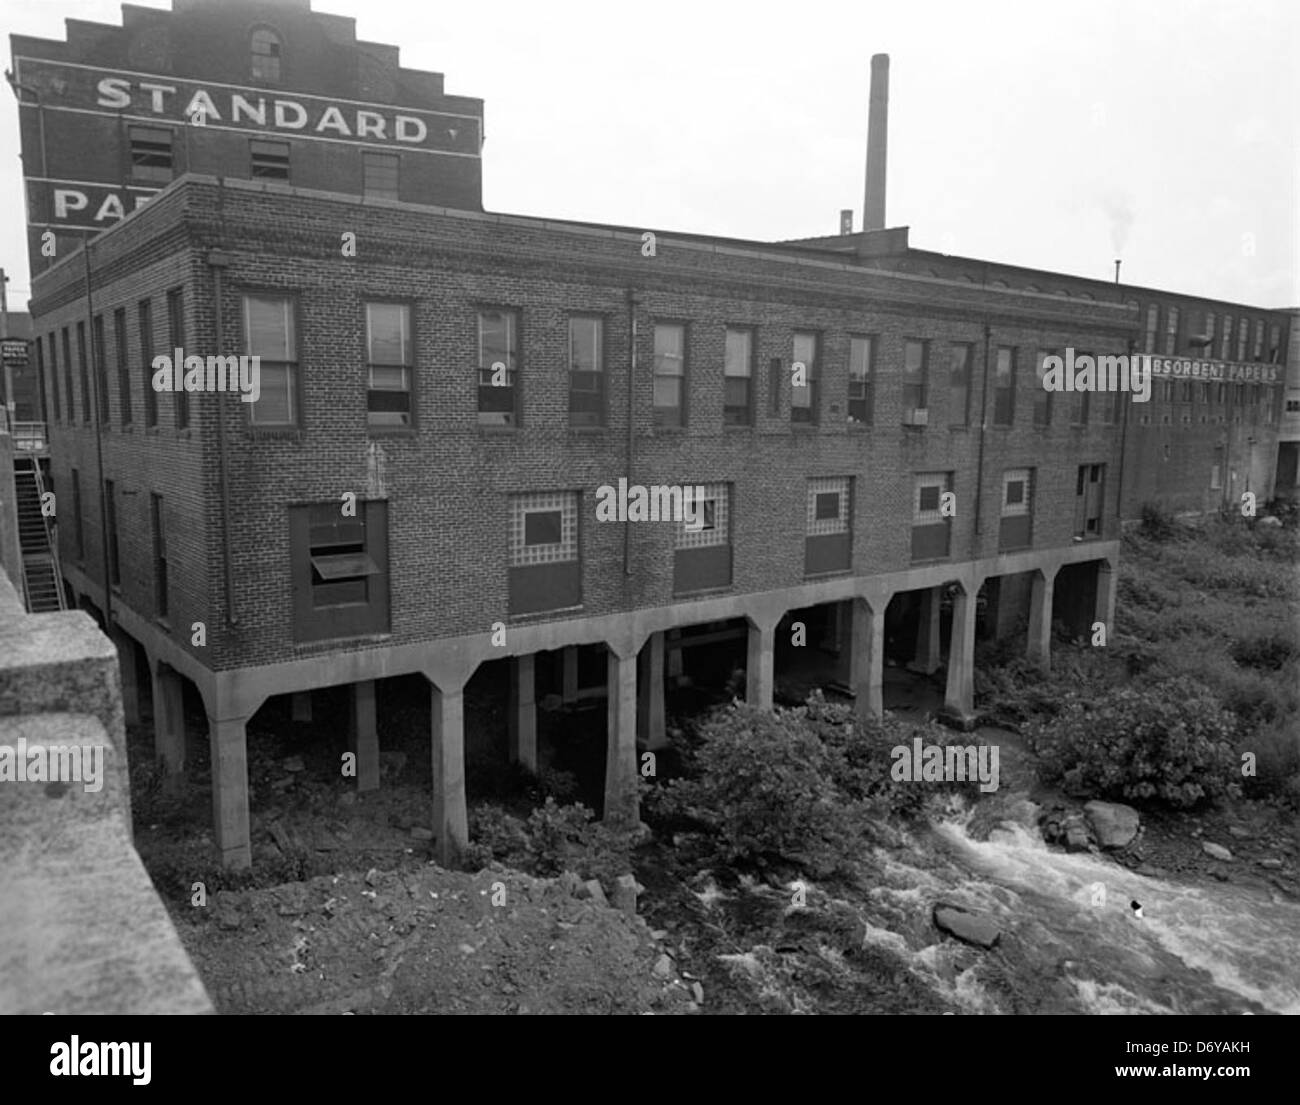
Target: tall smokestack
x=873 y=211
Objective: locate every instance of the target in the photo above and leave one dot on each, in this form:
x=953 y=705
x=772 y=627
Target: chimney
x=846 y=221
x=873 y=211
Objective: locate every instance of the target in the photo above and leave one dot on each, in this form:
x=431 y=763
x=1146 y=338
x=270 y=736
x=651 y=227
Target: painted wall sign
x=1180 y=368
x=142 y=97
x=80 y=204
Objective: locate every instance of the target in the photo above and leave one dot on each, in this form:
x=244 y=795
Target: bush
x=1170 y=742
x=1158 y=524
x=1277 y=763
x=564 y=838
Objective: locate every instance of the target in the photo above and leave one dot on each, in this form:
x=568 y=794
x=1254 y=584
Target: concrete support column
x=867 y=658
x=760 y=665
x=621 y=809
x=928 y=651
x=1105 y=607
x=674 y=654
x=228 y=745
x=569 y=658
x=959 y=698
x=450 y=821
x=130 y=678
x=1039 y=649
x=522 y=714
x=169 y=726
x=650 y=703
x=301 y=706
x=365 y=735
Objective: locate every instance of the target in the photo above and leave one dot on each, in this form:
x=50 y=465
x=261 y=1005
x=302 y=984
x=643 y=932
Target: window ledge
x=498 y=431
x=588 y=431
x=402 y=432
x=804 y=427
x=745 y=427
x=706 y=592
x=542 y=615
x=328 y=644
x=271 y=433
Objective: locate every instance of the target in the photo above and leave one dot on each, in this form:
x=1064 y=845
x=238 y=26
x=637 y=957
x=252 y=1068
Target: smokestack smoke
x=873 y=210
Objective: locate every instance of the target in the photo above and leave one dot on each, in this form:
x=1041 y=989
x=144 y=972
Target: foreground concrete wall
x=84 y=930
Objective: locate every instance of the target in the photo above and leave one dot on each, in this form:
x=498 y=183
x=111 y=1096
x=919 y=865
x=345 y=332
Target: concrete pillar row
x=621 y=805
x=130 y=677
x=929 y=653
x=1038 y=650
x=522 y=714
x=959 y=696
x=169 y=725
x=1105 y=606
x=228 y=747
x=364 y=735
x=569 y=685
x=867 y=658
x=650 y=702
x=450 y=815
x=760 y=665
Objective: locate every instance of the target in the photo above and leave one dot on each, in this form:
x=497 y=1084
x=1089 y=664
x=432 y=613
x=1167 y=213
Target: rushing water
x=1194 y=949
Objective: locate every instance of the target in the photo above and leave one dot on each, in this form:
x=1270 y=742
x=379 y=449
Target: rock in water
x=1113 y=823
x=1218 y=851
x=973 y=928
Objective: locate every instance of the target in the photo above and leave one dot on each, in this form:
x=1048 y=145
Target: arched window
x=266 y=55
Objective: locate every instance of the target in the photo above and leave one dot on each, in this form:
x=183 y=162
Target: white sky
x=1053 y=135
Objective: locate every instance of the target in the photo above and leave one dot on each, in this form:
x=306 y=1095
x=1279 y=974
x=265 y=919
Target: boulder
x=1218 y=851
x=626 y=889
x=972 y=928
x=663 y=968
x=595 y=891
x=1076 y=838
x=1113 y=824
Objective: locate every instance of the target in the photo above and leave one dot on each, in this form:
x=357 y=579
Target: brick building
x=443 y=394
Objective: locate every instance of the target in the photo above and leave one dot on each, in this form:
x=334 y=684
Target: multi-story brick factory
x=443 y=390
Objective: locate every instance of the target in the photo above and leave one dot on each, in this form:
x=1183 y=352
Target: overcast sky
x=1057 y=136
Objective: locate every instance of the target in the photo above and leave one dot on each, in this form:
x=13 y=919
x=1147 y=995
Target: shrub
x=1170 y=742
x=564 y=838
x=1277 y=763
x=1157 y=523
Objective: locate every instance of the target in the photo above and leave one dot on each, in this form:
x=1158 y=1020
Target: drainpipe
x=979 y=468
x=1123 y=436
x=631 y=423
x=98 y=400
x=217 y=261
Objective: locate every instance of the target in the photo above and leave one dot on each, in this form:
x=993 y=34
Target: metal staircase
x=42 y=574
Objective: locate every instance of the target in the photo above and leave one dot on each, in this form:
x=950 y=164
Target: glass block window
x=714 y=506
x=925 y=500
x=543 y=528
x=828 y=506
x=1016 y=485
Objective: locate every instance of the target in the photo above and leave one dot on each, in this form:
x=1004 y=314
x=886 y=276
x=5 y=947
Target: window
x=176 y=328
x=379 y=175
x=270 y=333
x=110 y=518
x=1258 y=354
x=959 y=385
x=101 y=367
x=805 y=398
x=1243 y=336
x=586 y=372
x=776 y=377
x=159 y=555
x=1216 y=470
x=151 y=154
x=1016 y=529
x=498 y=368
x=1171 y=330
x=1004 y=387
x=738 y=378
x=270 y=160
x=1270 y=405
x=670 y=375
x=339 y=568
x=1153 y=318
x=1080 y=401
x=1255 y=391
x=123 y=368
x=1089 y=500
x=145 y=319
x=931 y=527
x=53 y=349
x=266 y=55
x=78 y=524
x=862 y=385
x=713 y=513
x=389 y=362
x=828 y=525
x=1041 y=397
x=1207 y=350
x=83 y=373
x=1274 y=343
x=914 y=382
x=67 y=377
x=1293 y=406
x=39 y=345
x=543 y=528
x=1238 y=401
x=1225 y=352
x=1186 y=391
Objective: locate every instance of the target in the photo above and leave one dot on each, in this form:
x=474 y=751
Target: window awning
x=344 y=566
